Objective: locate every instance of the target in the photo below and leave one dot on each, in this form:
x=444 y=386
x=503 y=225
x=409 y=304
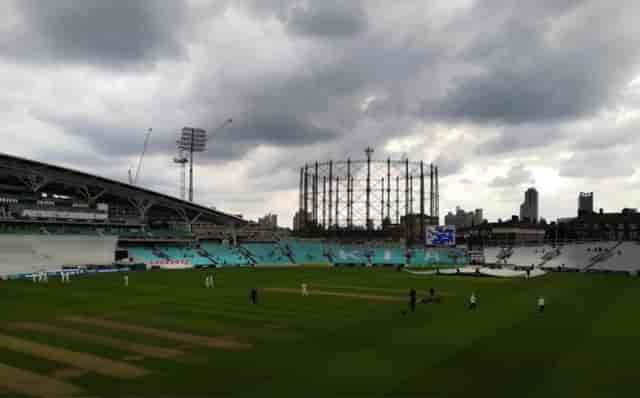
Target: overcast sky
x=503 y=95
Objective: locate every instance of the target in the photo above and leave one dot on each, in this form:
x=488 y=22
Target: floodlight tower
x=192 y=140
x=182 y=160
x=195 y=140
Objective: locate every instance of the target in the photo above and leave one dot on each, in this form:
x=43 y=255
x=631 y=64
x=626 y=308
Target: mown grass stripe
x=143 y=349
x=99 y=365
x=212 y=342
x=34 y=385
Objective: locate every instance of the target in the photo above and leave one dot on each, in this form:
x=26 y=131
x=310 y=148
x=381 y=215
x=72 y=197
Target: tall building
x=478 y=217
x=462 y=219
x=585 y=203
x=268 y=221
x=529 y=208
x=299 y=220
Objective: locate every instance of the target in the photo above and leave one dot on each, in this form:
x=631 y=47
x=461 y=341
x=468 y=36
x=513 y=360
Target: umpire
x=412 y=300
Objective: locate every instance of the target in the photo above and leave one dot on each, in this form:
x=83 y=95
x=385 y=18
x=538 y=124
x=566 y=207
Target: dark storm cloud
x=540 y=61
x=247 y=135
x=278 y=132
x=110 y=33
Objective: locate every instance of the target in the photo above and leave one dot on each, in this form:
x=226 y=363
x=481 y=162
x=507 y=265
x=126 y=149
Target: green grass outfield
x=586 y=344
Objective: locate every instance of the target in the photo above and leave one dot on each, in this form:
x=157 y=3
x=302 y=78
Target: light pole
x=195 y=140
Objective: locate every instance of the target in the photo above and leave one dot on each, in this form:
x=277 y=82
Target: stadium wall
x=32 y=253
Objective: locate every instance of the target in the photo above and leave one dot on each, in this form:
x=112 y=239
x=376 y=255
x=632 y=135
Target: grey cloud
x=545 y=62
x=119 y=140
x=327 y=18
x=602 y=137
x=517 y=175
x=522 y=137
x=448 y=165
x=526 y=70
x=282 y=132
x=599 y=164
x=322 y=19
x=113 y=139
x=109 y=33
x=276 y=131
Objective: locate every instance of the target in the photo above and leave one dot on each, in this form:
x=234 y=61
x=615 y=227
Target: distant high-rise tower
x=529 y=209
x=585 y=203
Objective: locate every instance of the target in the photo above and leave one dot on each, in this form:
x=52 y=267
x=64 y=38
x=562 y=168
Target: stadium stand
x=578 y=256
x=305 y=252
x=624 y=257
x=267 y=253
x=526 y=256
x=224 y=255
x=390 y=255
x=491 y=254
x=421 y=257
x=31 y=253
x=347 y=254
x=140 y=254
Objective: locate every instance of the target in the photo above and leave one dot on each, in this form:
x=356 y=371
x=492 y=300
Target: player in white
x=62 y=277
x=473 y=301
x=305 y=292
x=541 y=304
x=34 y=276
x=126 y=280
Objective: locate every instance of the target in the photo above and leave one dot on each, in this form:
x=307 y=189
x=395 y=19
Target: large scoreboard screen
x=441 y=236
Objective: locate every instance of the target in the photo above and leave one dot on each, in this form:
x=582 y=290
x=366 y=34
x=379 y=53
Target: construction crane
x=133 y=179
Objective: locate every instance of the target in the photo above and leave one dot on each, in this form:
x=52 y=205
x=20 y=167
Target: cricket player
x=541 y=304
x=473 y=301
x=126 y=280
x=206 y=282
x=34 y=276
x=412 y=300
x=305 y=292
x=62 y=279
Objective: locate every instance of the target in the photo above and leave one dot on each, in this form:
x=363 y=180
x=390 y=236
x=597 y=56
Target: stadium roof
x=36 y=175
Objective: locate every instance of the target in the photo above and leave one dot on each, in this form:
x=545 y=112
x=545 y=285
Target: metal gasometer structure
x=367 y=194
